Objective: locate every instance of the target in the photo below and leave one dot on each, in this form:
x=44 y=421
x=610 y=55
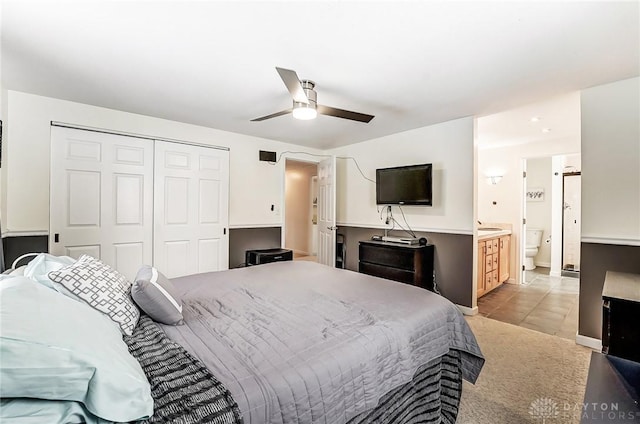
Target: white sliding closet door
x=101 y=197
x=191 y=203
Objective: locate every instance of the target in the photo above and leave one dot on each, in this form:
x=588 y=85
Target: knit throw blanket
x=183 y=389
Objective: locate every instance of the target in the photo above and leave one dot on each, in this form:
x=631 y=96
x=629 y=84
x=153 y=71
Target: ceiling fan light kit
x=305 y=106
x=304 y=112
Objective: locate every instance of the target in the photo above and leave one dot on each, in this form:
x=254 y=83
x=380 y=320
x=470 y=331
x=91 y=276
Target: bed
x=301 y=342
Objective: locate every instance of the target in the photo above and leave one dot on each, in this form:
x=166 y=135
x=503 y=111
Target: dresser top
x=622 y=285
x=394 y=245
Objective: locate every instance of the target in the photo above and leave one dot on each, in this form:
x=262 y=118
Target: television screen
x=404 y=185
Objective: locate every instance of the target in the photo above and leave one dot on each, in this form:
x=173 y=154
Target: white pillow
x=101 y=287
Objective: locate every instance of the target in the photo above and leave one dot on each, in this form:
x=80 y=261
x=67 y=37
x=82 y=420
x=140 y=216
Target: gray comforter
x=303 y=342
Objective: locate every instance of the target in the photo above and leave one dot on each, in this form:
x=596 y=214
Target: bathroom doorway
x=571 y=182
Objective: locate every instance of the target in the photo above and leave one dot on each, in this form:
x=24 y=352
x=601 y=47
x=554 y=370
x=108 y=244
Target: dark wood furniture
x=411 y=264
x=621 y=315
x=612 y=391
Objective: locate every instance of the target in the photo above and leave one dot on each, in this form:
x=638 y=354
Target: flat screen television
x=404 y=185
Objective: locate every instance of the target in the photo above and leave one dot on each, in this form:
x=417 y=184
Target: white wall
x=538 y=213
x=611 y=163
x=448 y=146
x=254 y=185
x=509 y=192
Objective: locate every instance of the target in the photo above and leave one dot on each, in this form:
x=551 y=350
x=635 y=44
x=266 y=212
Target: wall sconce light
x=494 y=179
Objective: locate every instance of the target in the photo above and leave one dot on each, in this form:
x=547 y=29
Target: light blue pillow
x=40 y=267
x=38 y=411
x=55 y=348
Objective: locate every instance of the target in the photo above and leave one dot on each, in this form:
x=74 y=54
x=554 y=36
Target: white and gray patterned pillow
x=101 y=287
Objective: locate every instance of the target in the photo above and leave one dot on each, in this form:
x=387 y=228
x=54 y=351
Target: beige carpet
x=524 y=367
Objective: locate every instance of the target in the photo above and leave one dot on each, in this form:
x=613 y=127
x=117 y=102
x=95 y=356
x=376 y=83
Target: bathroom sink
x=490 y=229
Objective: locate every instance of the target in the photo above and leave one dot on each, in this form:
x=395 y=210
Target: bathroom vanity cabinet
x=493 y=261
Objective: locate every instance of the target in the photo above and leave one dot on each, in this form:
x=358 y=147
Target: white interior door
x=191 y=203
x=327 y=211
x=101 y=197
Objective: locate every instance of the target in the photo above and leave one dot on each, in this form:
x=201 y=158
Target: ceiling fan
x=304 y=101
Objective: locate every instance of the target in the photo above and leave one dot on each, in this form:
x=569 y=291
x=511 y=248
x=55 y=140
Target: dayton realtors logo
x=544 y=409
x=547 y=409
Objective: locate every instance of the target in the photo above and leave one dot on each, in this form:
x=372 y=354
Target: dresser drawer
x=389 y=273
x=388 y=256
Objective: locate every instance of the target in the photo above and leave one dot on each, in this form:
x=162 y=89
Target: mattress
x=304 y=342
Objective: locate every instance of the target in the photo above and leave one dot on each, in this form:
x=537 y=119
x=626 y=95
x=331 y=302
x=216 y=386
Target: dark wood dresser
x=613 y=385
x=411 y=264
x=611 y=395
x=621 y=315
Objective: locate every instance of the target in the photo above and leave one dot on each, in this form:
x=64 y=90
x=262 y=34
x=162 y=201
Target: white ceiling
x=410 y=64
x=551 y=119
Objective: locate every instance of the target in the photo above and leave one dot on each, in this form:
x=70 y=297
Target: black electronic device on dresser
x=411 y=264
x=264 y=256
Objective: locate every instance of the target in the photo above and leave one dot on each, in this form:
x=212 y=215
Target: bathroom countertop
x=489 y=234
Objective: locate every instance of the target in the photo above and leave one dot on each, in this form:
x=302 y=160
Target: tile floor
x=543 y=303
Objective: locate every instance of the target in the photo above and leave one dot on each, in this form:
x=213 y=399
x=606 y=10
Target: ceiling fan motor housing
x=311 y=94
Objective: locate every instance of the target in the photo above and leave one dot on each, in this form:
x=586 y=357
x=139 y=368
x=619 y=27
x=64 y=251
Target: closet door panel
x=128 y=257
x=191 y=209
x=101 y=200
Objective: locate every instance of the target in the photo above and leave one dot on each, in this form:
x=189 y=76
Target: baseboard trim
x=543 y=264
x=555 y=274
x=467 y=310
x=595 y=344
x=36 y=233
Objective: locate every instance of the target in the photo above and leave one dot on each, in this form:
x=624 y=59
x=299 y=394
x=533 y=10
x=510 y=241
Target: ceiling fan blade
x=291 y=80
x=346 y=114
x=273 y=115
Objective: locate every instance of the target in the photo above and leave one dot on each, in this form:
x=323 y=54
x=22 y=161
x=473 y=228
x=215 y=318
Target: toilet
x=532 y=240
